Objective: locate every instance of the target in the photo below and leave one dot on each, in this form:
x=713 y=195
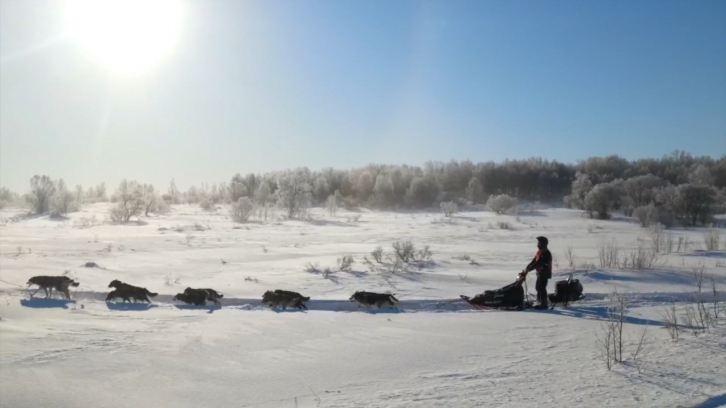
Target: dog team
x=273 y=299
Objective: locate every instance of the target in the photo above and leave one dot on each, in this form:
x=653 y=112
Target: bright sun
x=128 y=36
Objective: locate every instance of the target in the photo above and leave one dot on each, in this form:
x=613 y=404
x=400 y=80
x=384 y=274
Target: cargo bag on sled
x=510 y=297
x=566 y=291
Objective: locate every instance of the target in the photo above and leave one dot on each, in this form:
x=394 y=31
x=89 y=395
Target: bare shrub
x=449 y=208
x=312 y=267
x=345 y=263
x=241 y=210
x=377 y=254
x=327 y=272
x=397 y=265
x=640 y=258
x=608 y=253
x=610 y=341
x=208 y=205
x=670 y=320
x=716 y=306
x=502 y=204
x=504 y=225
x=424 y=254
x=712 y=238
x=657 y=237
x=605 y=344
x=570 y=256
x=640 y=351
x=404 y=251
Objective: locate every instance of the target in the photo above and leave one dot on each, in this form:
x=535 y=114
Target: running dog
x=368 y=299
x=126 y=294
x=208 y=294
x=282 y=299
x=134 y=291
x=59 y=283
x=195 y=297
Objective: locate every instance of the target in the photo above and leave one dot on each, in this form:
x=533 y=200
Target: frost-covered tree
x=63 y=201
x=501 y=204
x=321 y=189
x=581 y=186
x=422 y=193
x=331 y=205
x=41 y=193
x=700 y=175
x=475 y=191
x=152 y=201
x=383 y=191
x=129 y=199
x=241 y=210
x=694 y=202
x=602 y=200
x=294 y=191
x=449 y=208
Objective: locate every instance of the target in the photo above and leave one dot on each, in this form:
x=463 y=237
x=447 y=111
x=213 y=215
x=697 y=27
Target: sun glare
x=127 y=36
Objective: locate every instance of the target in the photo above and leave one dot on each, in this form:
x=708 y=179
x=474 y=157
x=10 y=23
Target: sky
x=256 y=86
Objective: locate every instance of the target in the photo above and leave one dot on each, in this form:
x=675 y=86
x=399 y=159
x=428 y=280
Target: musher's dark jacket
x=542 y=262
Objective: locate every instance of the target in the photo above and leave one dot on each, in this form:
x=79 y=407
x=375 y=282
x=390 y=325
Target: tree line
x=678 y=186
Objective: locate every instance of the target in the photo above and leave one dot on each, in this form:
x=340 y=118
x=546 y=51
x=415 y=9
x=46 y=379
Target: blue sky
x=264 y=85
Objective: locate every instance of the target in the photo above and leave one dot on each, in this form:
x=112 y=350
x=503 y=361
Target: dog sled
x=510 y=297
x=514 y=297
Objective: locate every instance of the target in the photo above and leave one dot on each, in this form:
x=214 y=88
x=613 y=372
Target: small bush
x=502 y=204
x=424 y=254
x=504 y=225
x=207 y=205
x=608 y=254
x=404 y=250
x=640 y=258
x=712 y=239
x=377 y=254
x=345 y=263
x=449 y=208
x=312 y=267
x=241 y=210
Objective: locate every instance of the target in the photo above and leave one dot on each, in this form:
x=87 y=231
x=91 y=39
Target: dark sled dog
x=128 y=294
x=59 y=283
x=199 y=297
x=368 y=299
x=131 y=290
x=284 y=299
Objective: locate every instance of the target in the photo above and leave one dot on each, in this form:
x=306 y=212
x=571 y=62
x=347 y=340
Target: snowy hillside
x=436 y=352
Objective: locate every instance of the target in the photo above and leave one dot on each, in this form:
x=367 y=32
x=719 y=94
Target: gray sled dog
x=284 y=299
x=59 y=283
x=368 y=299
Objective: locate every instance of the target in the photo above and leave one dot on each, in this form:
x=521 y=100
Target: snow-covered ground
x=436 y=351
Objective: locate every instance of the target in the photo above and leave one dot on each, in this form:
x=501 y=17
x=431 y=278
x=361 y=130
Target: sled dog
x=59 y=283
x=368 y=299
